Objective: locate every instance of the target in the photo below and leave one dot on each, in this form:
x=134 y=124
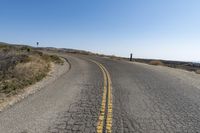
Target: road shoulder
x=55 y=72
x=184 y=76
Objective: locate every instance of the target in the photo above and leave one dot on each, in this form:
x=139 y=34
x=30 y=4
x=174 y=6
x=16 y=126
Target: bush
x=198 y=71
x=22 y=66
x=52 y=58
x=28 y=71
x=156 y=63
x=56 y=59
x=28 y=49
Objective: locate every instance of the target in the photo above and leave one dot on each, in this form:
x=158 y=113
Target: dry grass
x=25 y=74
x=198 y=71
x=20 y=67
x=156 y=63
x=114 y=57
x=52 y=58
x=36 y=66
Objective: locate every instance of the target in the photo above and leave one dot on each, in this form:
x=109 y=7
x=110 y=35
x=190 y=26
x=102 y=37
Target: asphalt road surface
x=104 y=95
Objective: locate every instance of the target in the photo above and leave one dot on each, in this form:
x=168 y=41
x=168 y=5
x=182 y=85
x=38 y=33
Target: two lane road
x=99 y=95
x=148 y=100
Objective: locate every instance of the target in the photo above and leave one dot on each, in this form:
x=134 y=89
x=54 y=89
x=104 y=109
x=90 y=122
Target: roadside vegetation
x=156 y=63
x=189 y=66
x=198 y=71
x=21 y=66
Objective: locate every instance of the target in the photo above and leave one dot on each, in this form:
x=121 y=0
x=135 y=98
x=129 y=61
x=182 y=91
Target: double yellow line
x=105 y=116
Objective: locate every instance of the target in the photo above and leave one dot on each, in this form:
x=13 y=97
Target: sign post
x=131 y=57
x=37 y=44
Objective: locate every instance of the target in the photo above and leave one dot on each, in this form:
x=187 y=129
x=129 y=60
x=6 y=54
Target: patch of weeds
x=56 y=59
x=156 y=63
x=52 y=58
x=198 y=71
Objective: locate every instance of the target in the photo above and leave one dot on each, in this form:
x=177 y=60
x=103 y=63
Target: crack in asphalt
x=148 y=102
x=144 y=101
x=82 y=115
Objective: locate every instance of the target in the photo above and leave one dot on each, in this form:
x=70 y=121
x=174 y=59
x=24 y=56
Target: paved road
x=146 y=100
x=143 y=100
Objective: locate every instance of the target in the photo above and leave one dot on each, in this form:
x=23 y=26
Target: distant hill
x=65 y=50
x=62 y=50
x=190 y=66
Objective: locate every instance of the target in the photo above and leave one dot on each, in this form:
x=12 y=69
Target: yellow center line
x=107 y=91
x=109 y=113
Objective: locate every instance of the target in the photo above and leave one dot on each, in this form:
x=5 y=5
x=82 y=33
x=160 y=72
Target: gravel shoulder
x=55 y=72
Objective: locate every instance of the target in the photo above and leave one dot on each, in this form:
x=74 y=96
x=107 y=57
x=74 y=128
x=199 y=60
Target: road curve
x=73 y=96
x=144 y=100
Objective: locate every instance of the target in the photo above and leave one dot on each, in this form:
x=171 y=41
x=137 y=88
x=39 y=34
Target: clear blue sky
x=165 y=29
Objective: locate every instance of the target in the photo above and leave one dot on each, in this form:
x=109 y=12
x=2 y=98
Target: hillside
x=21 y=66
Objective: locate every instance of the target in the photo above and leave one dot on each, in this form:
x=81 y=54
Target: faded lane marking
x=104 y=123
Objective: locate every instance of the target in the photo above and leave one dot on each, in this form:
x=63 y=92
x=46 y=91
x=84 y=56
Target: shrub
x=24 y=73
x=198 y=71
x=22 y=66
x=28 y=49
x=156 y=62
x=56 y=59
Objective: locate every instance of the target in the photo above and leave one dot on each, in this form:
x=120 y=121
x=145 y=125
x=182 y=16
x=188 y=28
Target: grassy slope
x=21 y=66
